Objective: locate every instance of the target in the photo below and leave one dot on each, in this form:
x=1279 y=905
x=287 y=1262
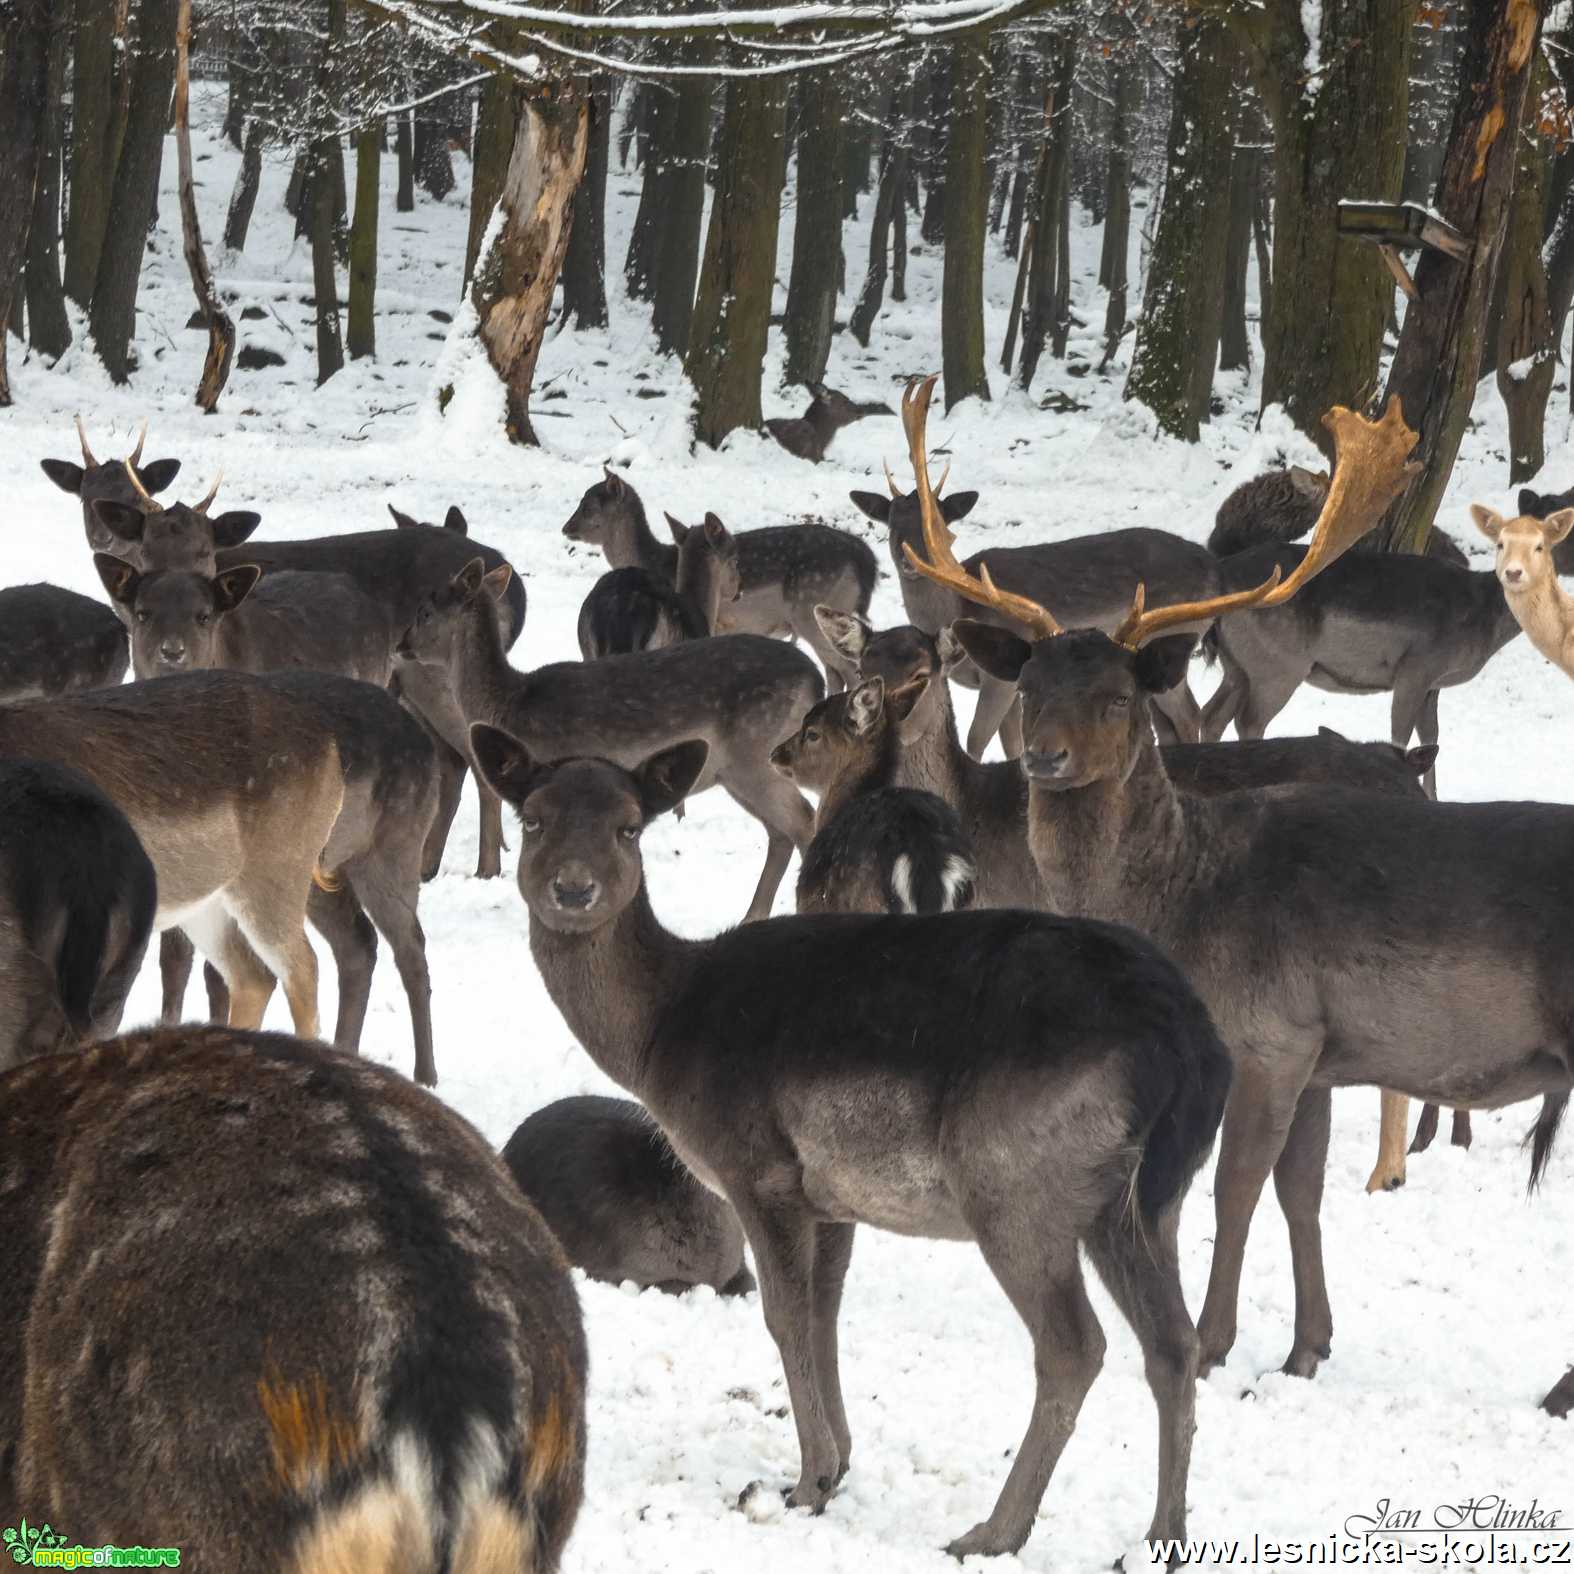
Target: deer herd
x=275 y=1305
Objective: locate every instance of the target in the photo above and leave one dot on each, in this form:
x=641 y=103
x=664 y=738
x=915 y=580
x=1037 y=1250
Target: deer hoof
x=812 y=1495
x=1385 y=1180
x=1304 y=1361
x=984 y=1541
x=1561 y=1400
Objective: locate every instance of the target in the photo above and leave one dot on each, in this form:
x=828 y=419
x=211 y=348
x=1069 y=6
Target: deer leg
x=1044 y=1281
x=338 y=918
x=1426 y=729
x=1257 y=1119
x=1459 y=1135
x=1224 y=703
x=833 y=1249
x=175 y=952
x=1426 y=1129
x=1011 y=731
x=1411 y=689
x=218 y=993
x=1560 y=1402
x=1266 y=695
x=784 y=1246
x=1389 y=1172
x=1298 y=1180
x=271 y=914
x=994 y=700
x=1181 y=714
x=1141 y=1271
x=451 y=768
x=788 y=822
x=489 y=860
x=391 y=901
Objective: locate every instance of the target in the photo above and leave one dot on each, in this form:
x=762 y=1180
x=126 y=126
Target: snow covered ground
x=1450 y=1297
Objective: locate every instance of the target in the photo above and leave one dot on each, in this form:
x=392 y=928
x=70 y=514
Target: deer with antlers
x=1339 y=938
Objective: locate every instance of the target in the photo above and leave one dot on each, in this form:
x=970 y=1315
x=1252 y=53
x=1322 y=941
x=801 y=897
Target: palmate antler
x=942 y=566
x=1371 y=467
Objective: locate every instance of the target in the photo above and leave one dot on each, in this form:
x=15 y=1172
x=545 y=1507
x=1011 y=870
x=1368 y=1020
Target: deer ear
x=158 y=475
x=873 y=505
x=677 y=529
x=1328 y=732
x=455 y=520
x=119 y=519
x=1309 y=483
x=665 y=779
x=715 y=531
x=615 y=482
x=1421 y=758
x=468 y=580
x=231 y=528
x=997 y=651
x=497 y=581
x=958 y=506
x=847 y=631
x=1556 y=526
x=505 y=763
x=119 y=577
x=865 y=704
x=65 y=475
x=1488 y=521
x=234 y=585
x=403 y=521
x=949 y=649
x=1162 y=664
x=1530 y=503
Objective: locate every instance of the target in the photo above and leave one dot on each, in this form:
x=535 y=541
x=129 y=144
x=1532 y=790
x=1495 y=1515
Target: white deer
x=1530 y=582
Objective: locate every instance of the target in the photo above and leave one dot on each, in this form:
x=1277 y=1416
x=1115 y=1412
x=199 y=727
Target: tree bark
x=404 y=151
x=585 y=265
x=1116 y=241
x=24 y=96
x=48 y=326
x=517 y=277
x=1438 y=360
x=932 y=229
x=639 y=264
x=966 y=219
x=92 y=168
x=1235 y=345
x=676 y=263
x=732 y=309
x=243 y=200
x=362 y=328
x=817 y=233
x=1339 y=134
x=324 y=207
x=494 y=142
x=1043 y=284
x=221 y=328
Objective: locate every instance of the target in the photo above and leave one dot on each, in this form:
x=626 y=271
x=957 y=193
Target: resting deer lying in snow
x=1527 y=571
x=1339 y=939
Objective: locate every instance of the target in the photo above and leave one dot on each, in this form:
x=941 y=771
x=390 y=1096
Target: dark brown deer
x=784 y=570
x=452 y=520
x=107 y=480
x=1339 y=938
x=77 y=898
x=739 y=692
x=1027 y=1082
x=877 y=848
x=273 y=1306
x=53 y=641
x=807 y=436
x=619 y=1201
x=233 y=789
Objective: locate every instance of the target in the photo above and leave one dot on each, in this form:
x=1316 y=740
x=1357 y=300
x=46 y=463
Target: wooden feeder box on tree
x=1401 y=226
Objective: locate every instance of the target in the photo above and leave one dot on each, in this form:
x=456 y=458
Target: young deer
x=783 y=569
x=53 y=641
x=807 y=436
x=630 y=609
x=274 y=1306
x=452 y=520
x=233 y=789
x=77 y=897
x=620 y=1203
x=739 y=692
x=1527 y=571
x=109 y=481
x=1026 y=1082
x=877 y=848
x=1339 y=938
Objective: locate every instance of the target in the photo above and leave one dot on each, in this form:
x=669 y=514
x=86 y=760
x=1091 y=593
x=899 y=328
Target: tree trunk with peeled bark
x=817 y=232
x=220 y=325
x=732 y=310
x=48 y=326
x=494 y=144
x=24 y=93
x=516 y=278
x=112 y=317
x=92 y=165
x=1438 y=360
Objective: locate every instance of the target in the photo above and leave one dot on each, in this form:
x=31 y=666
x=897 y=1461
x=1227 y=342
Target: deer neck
x=868 y=774
x=611 y=984
x=702 y=586
x=1546 y=613
x=483 y=681
x=1114 y=849
x=635 y=546
x=1502 y=621
x=936 y=762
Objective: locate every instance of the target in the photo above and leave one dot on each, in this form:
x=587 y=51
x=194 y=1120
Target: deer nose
x=575 y=896
x=1513 y=574
x=173 y=651
x=1045 y=767
x=781 y=758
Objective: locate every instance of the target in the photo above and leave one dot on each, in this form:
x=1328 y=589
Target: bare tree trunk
x=1044 y=260
x=733 y=307
x=890 y=203
x=243 y=200
x=494 y=143
x=899 y=237
x=585 y=266
x=1262 y=237
x=1117 y=183
x=92 y=144
x=1235 y=345
x=677 y=245
x=404 y=151
x=645 y=239
x=966 y=215
x=112 y=318
x=817 y=233
x=324 y=206
x=48 y=326
x=1438 y=360
x=221 y=329
x=24 y=94
x=517 y=277
x=362 y=330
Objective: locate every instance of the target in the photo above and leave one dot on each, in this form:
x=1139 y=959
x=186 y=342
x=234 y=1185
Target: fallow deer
x=1031 y=1083
x=1527 y=570
x=809 y=435
x=109 y=480
x=275 y=1307
x=53 y=641
x=1315 y=925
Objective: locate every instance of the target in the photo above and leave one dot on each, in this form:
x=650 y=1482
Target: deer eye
x=204 y=619
x=1119 y=701
x=629 y=833
x=811 y=735
x=141 y=616
x=529 y=824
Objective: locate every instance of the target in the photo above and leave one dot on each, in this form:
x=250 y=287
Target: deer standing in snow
x=1529 y=577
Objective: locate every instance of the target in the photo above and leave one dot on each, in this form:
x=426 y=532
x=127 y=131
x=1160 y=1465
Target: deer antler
x=1371 y=467
x=87 y=453
x=141 y=491
x=213 y=492
x=942 y=566
x=896 y=491
x=142 y=437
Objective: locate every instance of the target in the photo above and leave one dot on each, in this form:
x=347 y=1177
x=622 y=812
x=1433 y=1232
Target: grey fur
x=809 y=435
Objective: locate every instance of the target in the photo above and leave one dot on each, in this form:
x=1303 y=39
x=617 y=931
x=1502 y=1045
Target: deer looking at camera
x=1317 y=926
x=1527 y=570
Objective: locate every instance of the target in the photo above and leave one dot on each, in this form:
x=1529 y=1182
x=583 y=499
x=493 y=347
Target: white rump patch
x=958 y=872
x=902 y=882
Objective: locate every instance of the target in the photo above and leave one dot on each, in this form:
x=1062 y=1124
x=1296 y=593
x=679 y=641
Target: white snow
x=1451 y=1298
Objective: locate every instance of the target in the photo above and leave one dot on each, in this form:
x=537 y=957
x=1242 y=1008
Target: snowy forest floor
x=1450 y=1297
